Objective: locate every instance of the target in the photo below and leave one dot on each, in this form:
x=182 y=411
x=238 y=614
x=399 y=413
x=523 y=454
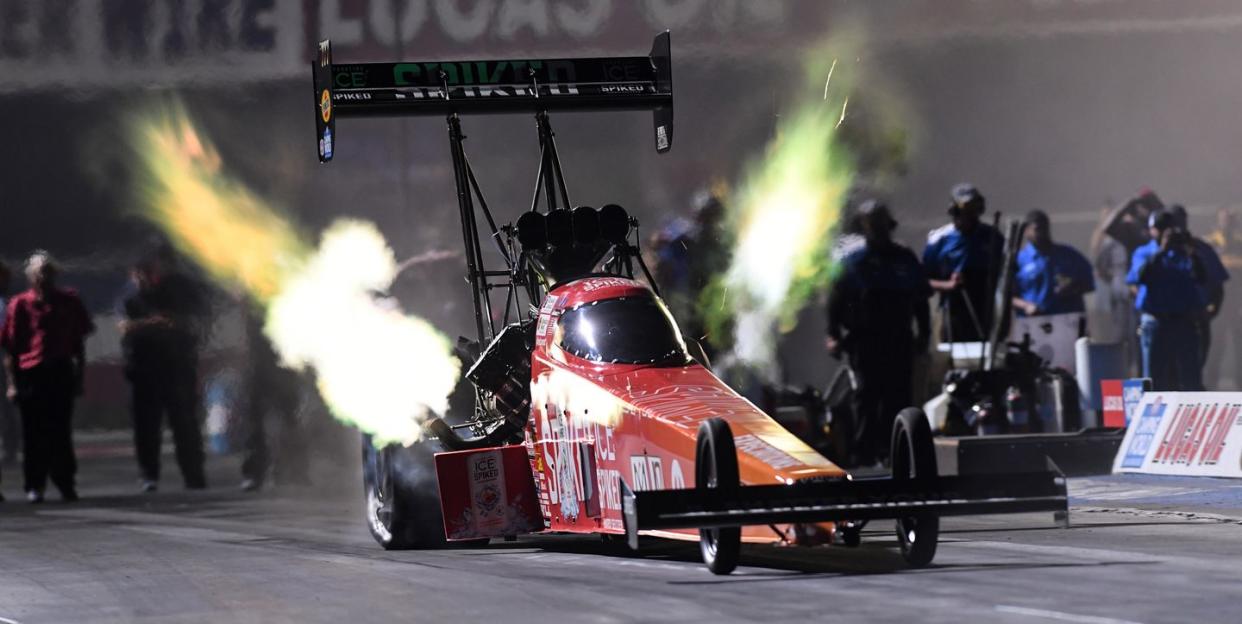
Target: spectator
x=44 y=335
x=1227 y=240
x=1167 y=277
x=689 y=253
x=1116 y=321
x=9 y=429
x=1051 y=278
x=878 y=317
x=164 y=319
x=274 y=392
x=1214 y=277
x=962 y=260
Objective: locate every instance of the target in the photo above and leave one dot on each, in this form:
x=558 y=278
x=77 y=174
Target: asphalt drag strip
x=305 y=556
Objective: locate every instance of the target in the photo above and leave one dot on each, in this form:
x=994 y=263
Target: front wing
x=843 y=500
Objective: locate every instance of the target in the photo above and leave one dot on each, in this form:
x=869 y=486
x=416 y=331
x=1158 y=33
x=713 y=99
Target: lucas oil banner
x=1184 y=433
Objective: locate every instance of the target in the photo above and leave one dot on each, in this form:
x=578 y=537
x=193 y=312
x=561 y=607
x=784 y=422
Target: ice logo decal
x=1144 y=435
x=326 y=144
x=487 y=498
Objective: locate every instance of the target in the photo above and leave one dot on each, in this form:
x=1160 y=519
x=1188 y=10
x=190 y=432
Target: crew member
x=1227 y=240
x=1167 y=277
x=44 y=335
x=164 y=319
x=962 y=260
x=878 y=316
x=1051 y=278
x=1214 y=277
x=689 y=253
x=274 y=392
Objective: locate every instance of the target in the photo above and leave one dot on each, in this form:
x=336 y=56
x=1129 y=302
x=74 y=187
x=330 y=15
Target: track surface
x=1140 y=550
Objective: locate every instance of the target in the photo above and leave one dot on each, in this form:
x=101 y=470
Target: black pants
x=45 y=398
x=884 y=375
x=10 y=430
x=275 y=394
x=172 y=391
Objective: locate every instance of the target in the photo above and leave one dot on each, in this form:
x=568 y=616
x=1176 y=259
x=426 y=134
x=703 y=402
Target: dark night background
x=1057 y=104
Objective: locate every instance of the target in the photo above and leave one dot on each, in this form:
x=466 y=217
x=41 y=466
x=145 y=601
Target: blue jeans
x=1171 y=352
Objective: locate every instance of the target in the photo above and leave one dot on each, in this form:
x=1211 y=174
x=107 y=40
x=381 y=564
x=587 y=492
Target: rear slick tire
x=715 y=467
x=914 y=457
x=401 y=515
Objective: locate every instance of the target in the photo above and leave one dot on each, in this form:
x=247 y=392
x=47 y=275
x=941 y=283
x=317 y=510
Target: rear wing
x=494 y=86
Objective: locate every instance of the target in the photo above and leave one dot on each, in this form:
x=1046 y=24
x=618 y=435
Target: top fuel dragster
x=590 y=415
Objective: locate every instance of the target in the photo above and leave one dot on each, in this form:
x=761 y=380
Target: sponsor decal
x=623 y=88
x=351 y=97
x=324 y=48
x=545 y=315
x=1144 y=435
x=647 y=472
x=676 y=480
x=1113 y=414
x=662 y=138
x=601 y=283
x=1184 y=433
x=487 y=496
x=325 y=106
x=326 y=143
x=483 y=73
x=754 y=445
x=1131 y=393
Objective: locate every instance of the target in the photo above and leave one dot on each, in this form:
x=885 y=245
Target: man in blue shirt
x=1050 y=278
x=1167 y=277
x=1214 y=277
x=877 y=316
x=962 y=260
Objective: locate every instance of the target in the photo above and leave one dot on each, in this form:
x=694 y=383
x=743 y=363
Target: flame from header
x=782 y=221
x=376 y=368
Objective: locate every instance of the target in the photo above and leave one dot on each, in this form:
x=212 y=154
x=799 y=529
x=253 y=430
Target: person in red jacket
x=43 y=337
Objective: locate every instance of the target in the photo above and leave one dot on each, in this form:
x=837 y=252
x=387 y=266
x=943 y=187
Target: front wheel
x=715 y=467
x=914 y=457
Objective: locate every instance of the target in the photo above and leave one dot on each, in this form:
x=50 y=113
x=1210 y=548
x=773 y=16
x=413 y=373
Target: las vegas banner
x=1184 y=433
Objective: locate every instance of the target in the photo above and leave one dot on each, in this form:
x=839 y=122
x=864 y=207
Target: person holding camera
x=1214 y=277
x=1167 y=276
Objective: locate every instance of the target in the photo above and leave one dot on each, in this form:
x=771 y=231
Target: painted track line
x=1060 y=615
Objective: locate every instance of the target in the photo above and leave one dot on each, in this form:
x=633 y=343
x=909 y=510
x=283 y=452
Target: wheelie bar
x=842 y=500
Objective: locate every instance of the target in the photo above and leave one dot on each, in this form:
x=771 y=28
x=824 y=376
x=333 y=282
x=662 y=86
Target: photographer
x=1213 y=287
x=1167 y=276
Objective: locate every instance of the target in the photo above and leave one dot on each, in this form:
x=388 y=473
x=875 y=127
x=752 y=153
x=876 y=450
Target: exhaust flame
x=783 y=219
x=377 y=368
